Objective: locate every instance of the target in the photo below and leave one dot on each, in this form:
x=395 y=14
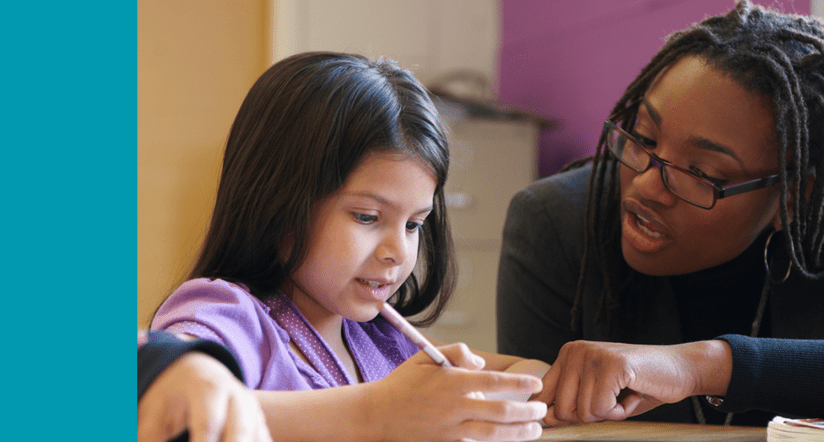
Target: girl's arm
x=507 y=363
x=418 y=401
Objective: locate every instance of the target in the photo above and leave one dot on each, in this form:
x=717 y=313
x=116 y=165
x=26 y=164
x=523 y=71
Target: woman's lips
x=642 y=229
x=647 y=227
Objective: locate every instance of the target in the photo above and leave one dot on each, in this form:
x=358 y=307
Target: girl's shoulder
x=215 y=290
x=216 y=304
x=229 y=314
x=208 y=285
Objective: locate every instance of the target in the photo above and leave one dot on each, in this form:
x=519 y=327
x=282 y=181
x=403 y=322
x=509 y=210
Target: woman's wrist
x=713 y=362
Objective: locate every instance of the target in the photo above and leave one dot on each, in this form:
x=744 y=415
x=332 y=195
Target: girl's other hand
x=198 y=393
x=421 y=400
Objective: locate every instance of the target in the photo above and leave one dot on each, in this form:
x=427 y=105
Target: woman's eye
x=413 y=226
x=646 y=142
x=364 y=218
x=716 y=181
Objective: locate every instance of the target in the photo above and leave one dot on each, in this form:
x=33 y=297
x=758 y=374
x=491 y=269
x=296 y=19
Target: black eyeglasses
x=684 y=184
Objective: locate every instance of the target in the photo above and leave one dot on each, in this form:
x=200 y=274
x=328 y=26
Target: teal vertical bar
x=68 y=143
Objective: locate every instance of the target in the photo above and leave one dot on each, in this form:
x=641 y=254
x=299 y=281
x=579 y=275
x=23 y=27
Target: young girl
x=332 y=185
x=700 y=216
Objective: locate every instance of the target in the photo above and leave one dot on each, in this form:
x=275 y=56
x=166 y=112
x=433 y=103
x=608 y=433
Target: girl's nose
x=394 y=248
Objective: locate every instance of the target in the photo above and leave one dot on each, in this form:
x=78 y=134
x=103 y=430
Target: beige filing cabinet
x=491 y=160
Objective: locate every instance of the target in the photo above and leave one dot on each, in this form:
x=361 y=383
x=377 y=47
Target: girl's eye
x=364 y=218
x=413 y=226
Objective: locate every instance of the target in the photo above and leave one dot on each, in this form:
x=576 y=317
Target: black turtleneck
x=722 y=300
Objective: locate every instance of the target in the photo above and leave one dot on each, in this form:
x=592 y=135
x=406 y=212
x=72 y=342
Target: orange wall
x=196 y=60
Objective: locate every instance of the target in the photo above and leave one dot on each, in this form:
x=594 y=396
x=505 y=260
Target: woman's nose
x=650 y=185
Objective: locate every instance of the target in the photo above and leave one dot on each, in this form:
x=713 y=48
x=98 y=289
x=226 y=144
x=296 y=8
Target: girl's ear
x=285 y=247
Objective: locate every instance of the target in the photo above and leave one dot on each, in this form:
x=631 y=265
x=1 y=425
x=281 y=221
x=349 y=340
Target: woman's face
x=699 y=119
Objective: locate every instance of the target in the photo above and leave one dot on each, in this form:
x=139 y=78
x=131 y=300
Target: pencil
x=398 y=321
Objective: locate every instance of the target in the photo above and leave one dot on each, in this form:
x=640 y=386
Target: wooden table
x=653 y=432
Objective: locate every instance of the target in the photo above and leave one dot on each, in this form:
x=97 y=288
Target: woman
x=700 y=214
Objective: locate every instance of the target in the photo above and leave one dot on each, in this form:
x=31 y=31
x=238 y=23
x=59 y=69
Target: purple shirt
x=227 y=313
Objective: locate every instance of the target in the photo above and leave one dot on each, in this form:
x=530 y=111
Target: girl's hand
x=594 y=381
x=198 y=393
x=421 y=400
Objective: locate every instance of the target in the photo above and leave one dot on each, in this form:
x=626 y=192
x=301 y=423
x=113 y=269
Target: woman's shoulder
x=557 y=201
x=563 y=187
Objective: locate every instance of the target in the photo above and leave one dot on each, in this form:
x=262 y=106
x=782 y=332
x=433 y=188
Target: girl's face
x=698 y=118
x=363 y=242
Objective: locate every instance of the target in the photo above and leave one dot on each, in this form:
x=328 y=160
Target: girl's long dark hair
x=780 y=56
x=303 y=127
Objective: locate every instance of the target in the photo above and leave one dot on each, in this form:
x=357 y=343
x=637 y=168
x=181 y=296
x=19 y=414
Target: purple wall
x=571 y=60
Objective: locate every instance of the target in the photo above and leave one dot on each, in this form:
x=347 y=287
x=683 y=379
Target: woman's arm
x=539 y=266
x=783 y=376
x=194 y=385
x=593 y=381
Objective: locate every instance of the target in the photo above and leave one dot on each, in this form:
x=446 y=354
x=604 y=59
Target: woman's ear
x=777 y=224
x=777 y=221
x=808 y=190
x=777 y=217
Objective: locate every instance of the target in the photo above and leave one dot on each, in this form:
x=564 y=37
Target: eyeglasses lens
x=626 y=150
x=680 y=183
x=688 y=188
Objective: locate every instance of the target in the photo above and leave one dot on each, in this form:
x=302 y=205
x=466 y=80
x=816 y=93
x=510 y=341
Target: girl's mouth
x=373 y=284
x=376 y=290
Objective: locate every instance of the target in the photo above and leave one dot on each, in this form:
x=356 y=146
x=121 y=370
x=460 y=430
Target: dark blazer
x=538 y=275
